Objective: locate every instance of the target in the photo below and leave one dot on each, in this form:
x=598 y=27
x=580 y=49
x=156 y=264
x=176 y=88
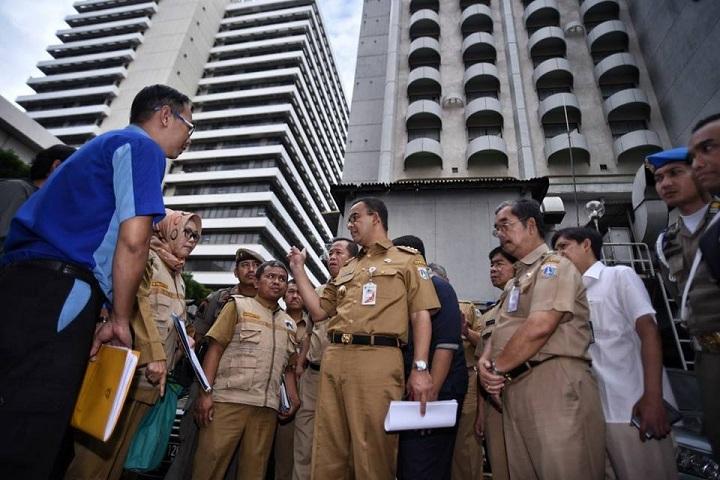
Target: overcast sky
x=27 y=27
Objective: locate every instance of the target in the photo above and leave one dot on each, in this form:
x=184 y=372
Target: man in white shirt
x=627 y=358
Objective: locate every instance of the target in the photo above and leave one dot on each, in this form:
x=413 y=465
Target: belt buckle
x=346 y=338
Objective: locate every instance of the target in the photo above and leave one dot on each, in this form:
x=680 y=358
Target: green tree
x=11 y=166
x=194 y=290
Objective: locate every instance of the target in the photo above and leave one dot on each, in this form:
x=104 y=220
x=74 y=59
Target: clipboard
x=190 y=353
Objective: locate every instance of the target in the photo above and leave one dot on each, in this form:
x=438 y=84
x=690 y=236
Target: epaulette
x=412 y=250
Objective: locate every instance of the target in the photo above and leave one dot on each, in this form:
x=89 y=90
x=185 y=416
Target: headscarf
x=168 y=234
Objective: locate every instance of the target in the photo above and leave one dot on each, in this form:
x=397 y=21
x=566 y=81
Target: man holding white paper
x=370 y=304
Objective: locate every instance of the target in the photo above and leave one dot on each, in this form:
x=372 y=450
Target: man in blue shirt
x=427 y=454
x=79 y=242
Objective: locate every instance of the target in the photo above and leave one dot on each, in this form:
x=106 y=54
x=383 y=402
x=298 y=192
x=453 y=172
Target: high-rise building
x=269 y=108
x=453 y=91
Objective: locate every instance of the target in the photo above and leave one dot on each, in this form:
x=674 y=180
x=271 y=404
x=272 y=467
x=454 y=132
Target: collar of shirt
x=593 y=273
x=139 y=129
x=535 y=255
x=379 y=246
x=274 y=307
x=694 y=221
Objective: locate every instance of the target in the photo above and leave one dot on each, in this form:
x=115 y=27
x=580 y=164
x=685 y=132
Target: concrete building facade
x=22 y=134
x=467 y=89
x=269 y=109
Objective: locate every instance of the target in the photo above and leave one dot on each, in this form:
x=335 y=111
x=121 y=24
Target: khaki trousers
x=467 y=463
x=305 y=424
x=283 y=450
x=495 y=442
x=631 y=459
x=553 y=422
x=96 y=460
x=357 y=384
x=235 y=426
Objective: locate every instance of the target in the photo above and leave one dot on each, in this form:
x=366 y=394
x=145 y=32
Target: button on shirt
x=617 y=298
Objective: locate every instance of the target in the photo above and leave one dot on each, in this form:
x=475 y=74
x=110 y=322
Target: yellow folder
x=103 y=391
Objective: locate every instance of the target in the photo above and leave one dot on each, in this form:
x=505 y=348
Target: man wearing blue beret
x=694 y=288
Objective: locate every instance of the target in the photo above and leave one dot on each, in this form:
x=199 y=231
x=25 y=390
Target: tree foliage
x=194 y=290
x=11 y=166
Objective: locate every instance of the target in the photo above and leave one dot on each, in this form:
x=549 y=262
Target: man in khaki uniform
x=341 y=250
x=538 y=359
x=369 y=304
x=252 y=344
x=468 y=454
x=488 y=424
x=283 y=449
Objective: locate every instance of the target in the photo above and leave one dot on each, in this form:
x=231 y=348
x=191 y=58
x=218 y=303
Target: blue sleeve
x=446 y=323
x=138 y=170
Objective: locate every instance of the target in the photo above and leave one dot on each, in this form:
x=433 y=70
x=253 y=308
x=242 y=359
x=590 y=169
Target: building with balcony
x=269 y=110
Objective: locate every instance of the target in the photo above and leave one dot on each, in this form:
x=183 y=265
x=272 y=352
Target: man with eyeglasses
x=369 y=305
x=537 y=362
x=84 y=240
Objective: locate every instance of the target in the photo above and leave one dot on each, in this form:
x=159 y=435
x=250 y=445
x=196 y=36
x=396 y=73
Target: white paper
x=131 y=362
x=185 y=341
x=406 y=415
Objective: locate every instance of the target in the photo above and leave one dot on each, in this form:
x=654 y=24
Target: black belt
x=63 y=268
x=356 y=339
x=524 y=367
x=314 y=366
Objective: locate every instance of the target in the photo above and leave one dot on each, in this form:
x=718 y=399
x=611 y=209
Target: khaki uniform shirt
x=318 y=336
x=161 y=293
x=487 y=324
x=547 y=281
x=679 y=249
x=403 y=286
x=471 y=317
x=259 y=341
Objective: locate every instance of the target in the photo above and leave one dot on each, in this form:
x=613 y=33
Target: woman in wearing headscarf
x=161 y=293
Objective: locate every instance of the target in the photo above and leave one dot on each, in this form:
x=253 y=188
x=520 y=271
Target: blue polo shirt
x=76 y=215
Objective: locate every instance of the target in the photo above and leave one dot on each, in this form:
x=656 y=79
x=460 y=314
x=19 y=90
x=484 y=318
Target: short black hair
x=499 y=250
x=155 y=96
x=579 y=235
x=375 y=205
x=410 y=241
x=42 y=163
x=270 y=264
x=352 y=247
x=525 y=209
x=712 y=118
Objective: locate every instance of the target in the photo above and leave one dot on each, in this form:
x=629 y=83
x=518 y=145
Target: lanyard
x=691 y=275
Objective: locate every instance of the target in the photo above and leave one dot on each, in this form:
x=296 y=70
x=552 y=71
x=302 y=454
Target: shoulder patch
x=290 y=325
x=424 y=273
x=549 y=270
x=414 y=251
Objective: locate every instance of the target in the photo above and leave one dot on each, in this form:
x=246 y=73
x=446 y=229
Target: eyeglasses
x=502 y=227
x=191 y=234
x=190 y=126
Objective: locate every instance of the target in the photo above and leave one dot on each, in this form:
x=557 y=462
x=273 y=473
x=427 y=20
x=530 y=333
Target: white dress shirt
x=617 y=298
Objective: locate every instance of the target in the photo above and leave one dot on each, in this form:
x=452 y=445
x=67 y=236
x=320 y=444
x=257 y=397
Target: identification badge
x=513 y=299
x=369 y=294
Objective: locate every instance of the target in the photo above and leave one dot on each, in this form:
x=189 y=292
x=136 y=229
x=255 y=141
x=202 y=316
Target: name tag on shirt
x=369 y=294
x=513 y=299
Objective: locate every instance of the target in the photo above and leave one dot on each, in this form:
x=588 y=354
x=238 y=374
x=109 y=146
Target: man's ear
x=55 y=164
x=586 y=245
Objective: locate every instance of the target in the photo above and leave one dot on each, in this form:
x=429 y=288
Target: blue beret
x=660 y=159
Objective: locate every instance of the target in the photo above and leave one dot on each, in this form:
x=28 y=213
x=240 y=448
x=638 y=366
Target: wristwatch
x=420 y=365
x=495 y=371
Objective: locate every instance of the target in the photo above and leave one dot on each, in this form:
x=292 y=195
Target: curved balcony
x=593 y=11
x=424 y=52
x=481 y=77
x=608 y=37
x=424 y=23
x=476 y=18
x=635 y=146
x=417 y=5
x=479 y=47
x=423 y=152
x=630 y=104
x=553 y=73
x=617 y=68
x=546 y=42
x=486 y=150
x=558 y=148
x=541 y=13
x=424 y=80
x=483 y=112
x=424 y=114
x=552 y=109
